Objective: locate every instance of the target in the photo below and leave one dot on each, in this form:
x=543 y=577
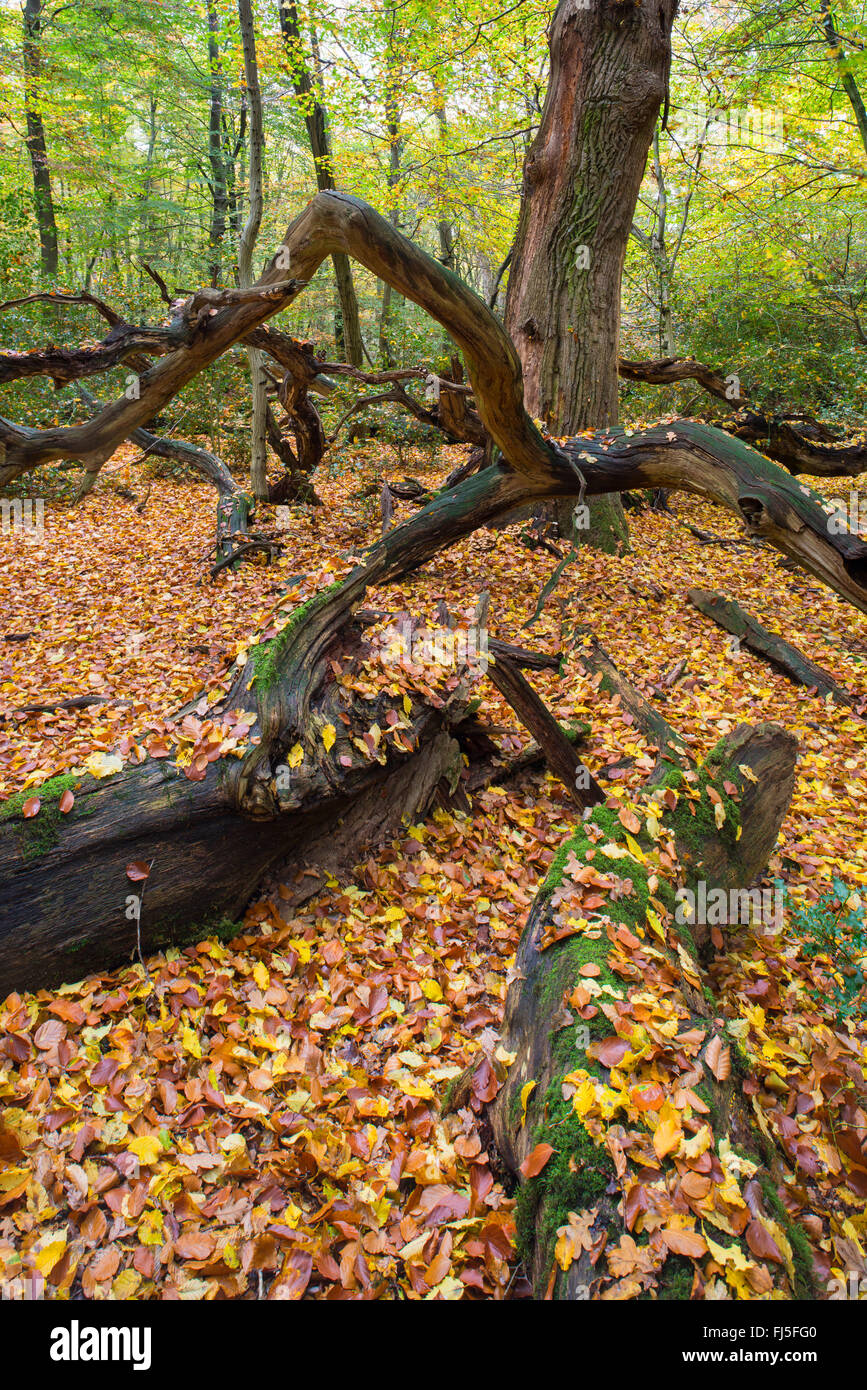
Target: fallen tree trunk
x=802 y=447
x=67 y=903
x=643 y=1170
x=776 y=650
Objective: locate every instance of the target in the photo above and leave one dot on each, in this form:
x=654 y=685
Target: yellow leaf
x=654 y=923
x=146 y=1147
x=48 y=1256
x=295 y=756
x=635 y=849
x=431 y=990
x=261 y=976
x=728 y=1255
x=126 y=1285
x=150 y=1228
x=329 y=735
x=411 y=1087
x=668 y=1134
x=103 y=764
x=526 y=1092
x=190 y=1043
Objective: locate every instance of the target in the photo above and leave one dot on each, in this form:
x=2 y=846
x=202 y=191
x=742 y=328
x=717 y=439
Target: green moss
x=180 y=931
x=576 y=730
x=267 y=656
x=740 y=1061
x=608 y=530
x=40 y=833
x=707 y=1093
x=675 y=1280
x=544 y=1202
x=802 y=1255
x=449 y=1094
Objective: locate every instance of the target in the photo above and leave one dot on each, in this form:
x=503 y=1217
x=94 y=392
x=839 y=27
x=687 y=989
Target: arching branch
x=686 y=455
x=783 y=438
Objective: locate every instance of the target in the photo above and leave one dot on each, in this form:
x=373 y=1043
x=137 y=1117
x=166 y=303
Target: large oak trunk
x=609 y=66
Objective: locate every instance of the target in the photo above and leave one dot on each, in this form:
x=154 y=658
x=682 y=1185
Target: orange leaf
x=535 y=1161
x=609 y=1052
x=690 y=1243
x=718 y=1058
x=762 y=1243
x=137 y=870
x=194 y=1245
x=31 y=807
x=67 y=801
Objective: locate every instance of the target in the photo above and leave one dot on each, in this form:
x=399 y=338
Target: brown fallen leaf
x=535 y=1161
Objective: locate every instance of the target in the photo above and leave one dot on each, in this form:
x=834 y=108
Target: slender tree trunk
x=347 y=324
x=258 y=442
x=36 y=145
x=147 y=187
x=659 y=251
x=847 y=79
x=216 y=153
x=395 y=154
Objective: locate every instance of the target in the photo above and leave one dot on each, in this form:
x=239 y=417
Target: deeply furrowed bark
x=609 y=65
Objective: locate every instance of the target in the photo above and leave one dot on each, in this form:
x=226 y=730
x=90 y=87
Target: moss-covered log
x=284 y=771
x=639 y=1158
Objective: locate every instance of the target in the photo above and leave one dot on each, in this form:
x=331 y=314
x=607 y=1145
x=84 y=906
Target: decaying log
x=780 y=653
x=560 y=754
x=640 y=1106
x=802 y=445
x=64 y=891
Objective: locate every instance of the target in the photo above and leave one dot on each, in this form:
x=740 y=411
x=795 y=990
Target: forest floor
x=273 y=1126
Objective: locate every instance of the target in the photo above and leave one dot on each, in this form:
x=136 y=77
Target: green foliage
x=834 y=934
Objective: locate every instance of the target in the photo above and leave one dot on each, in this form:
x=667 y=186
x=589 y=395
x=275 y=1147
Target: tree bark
x=582 y=175
x=800 y=443
x=258 y=425
x=348 y=330
x=43 y=200
x=216 y=154
x=609 y=66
